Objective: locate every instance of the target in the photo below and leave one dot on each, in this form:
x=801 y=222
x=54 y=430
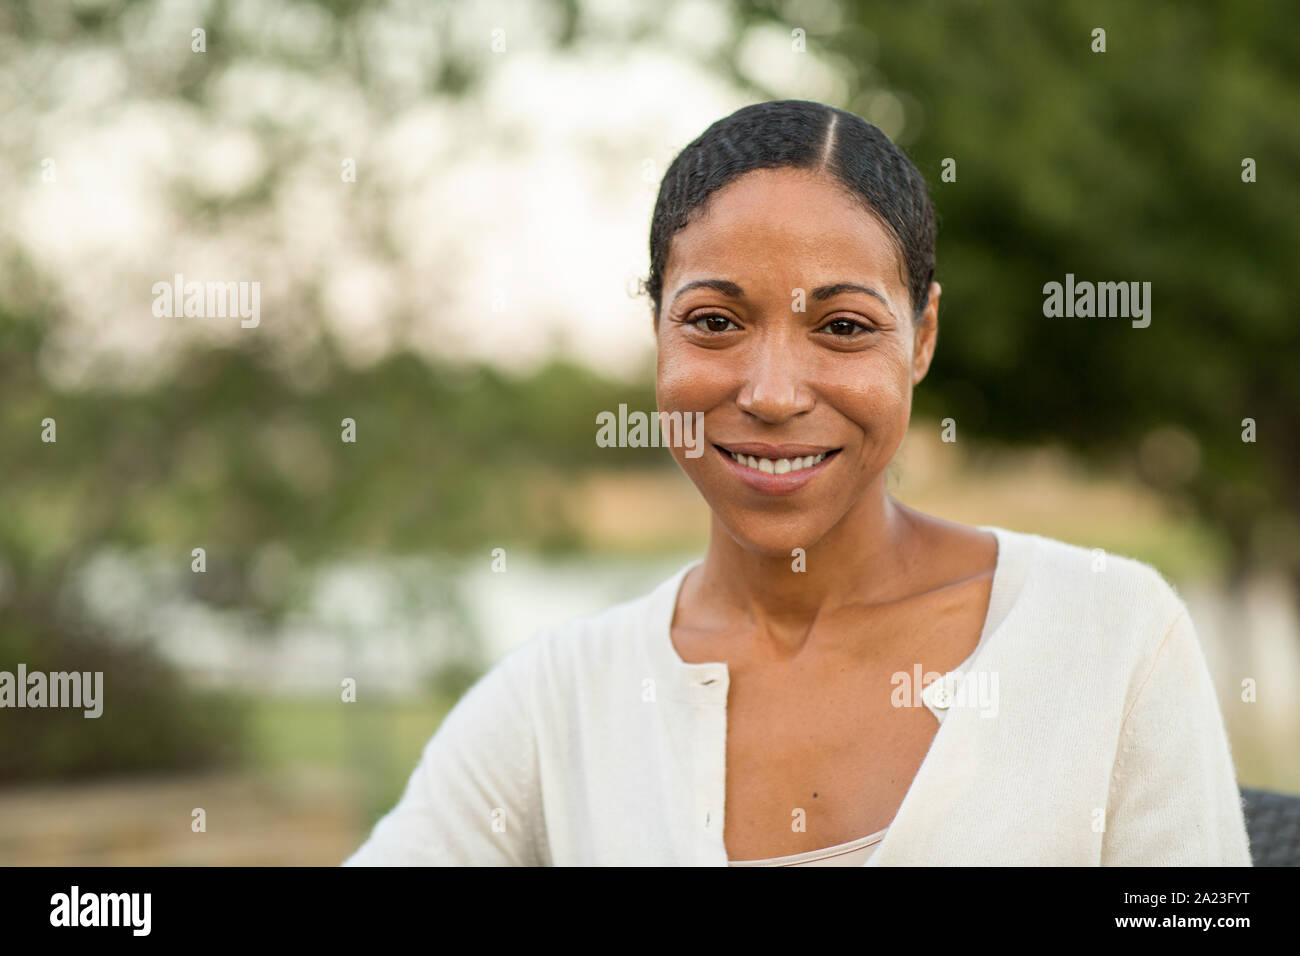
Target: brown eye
x=713 y=323
x=844 y=327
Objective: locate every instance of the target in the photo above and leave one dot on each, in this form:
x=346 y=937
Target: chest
x=816 y=758
x=822 y=746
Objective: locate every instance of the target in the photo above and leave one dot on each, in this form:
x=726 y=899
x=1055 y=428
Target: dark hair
x=803 y=135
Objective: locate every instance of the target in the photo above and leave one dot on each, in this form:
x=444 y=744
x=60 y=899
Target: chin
x=774 y=536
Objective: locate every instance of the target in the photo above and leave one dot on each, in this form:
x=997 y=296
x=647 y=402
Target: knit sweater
x=593 y=743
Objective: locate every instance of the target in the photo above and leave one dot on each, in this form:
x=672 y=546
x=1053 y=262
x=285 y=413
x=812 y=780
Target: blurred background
x=446 y=207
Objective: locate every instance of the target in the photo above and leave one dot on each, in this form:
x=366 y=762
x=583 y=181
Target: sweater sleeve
x=1174 y=799
x=474 y=798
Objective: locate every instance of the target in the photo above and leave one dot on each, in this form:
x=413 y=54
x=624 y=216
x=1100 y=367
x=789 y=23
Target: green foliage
x=229 y=458
x=150 y=722
x=1117 y=166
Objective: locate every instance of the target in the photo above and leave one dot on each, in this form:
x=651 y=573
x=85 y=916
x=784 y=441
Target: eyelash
x=854 y=322
x=708 y=315
x=718 y=315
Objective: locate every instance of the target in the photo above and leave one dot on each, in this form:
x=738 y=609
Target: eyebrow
x=827 y=291
x=729 y=289
x=733 y=291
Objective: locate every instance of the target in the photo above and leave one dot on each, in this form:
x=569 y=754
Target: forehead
x=784 y=226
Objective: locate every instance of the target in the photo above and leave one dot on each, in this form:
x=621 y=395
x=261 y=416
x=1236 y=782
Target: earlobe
x=921 y=362
x=927 y=335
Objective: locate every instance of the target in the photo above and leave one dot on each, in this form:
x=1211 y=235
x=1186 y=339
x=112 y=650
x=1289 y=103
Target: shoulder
x=1110 y=594
x=1096 y=571
x=1086 y=614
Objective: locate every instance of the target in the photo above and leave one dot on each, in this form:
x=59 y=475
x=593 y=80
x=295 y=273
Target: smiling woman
x=747 y=711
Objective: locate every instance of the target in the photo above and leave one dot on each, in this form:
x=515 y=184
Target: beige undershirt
x=854 y=853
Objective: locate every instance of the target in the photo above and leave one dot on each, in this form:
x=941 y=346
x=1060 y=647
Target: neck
x=861 y=560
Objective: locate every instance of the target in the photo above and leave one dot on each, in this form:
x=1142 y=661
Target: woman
x=841 y=680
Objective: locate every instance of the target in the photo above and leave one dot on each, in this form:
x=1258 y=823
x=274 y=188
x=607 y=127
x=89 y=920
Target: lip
x=767 y=484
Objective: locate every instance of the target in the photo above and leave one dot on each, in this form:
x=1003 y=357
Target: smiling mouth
x=777 y=466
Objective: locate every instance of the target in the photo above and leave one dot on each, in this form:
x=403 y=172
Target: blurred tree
x=1125 y=165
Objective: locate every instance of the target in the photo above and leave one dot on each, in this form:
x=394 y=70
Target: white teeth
x=779 y=466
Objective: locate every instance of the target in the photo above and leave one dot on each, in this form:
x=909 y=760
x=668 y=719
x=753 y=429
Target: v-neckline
x=995 y=615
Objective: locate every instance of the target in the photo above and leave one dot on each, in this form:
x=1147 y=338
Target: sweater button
x=940 y=697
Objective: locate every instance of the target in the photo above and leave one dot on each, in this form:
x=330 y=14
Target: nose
x=775 y=389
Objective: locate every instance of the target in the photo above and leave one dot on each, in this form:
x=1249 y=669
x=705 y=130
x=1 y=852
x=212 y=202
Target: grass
x=377 y=743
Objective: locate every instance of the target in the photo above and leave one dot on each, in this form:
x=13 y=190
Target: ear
x=926 y=335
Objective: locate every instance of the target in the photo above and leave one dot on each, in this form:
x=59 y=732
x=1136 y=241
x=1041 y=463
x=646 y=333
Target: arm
x=1173 y=794
x=474 y=799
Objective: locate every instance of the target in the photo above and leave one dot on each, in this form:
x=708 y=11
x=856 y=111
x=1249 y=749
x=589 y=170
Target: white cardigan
x=594 y=743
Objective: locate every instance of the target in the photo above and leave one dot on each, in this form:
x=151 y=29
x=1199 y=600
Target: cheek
x=875 y=391
x=690 y=379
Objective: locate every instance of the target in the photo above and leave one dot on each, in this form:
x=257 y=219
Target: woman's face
x=777 y=383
